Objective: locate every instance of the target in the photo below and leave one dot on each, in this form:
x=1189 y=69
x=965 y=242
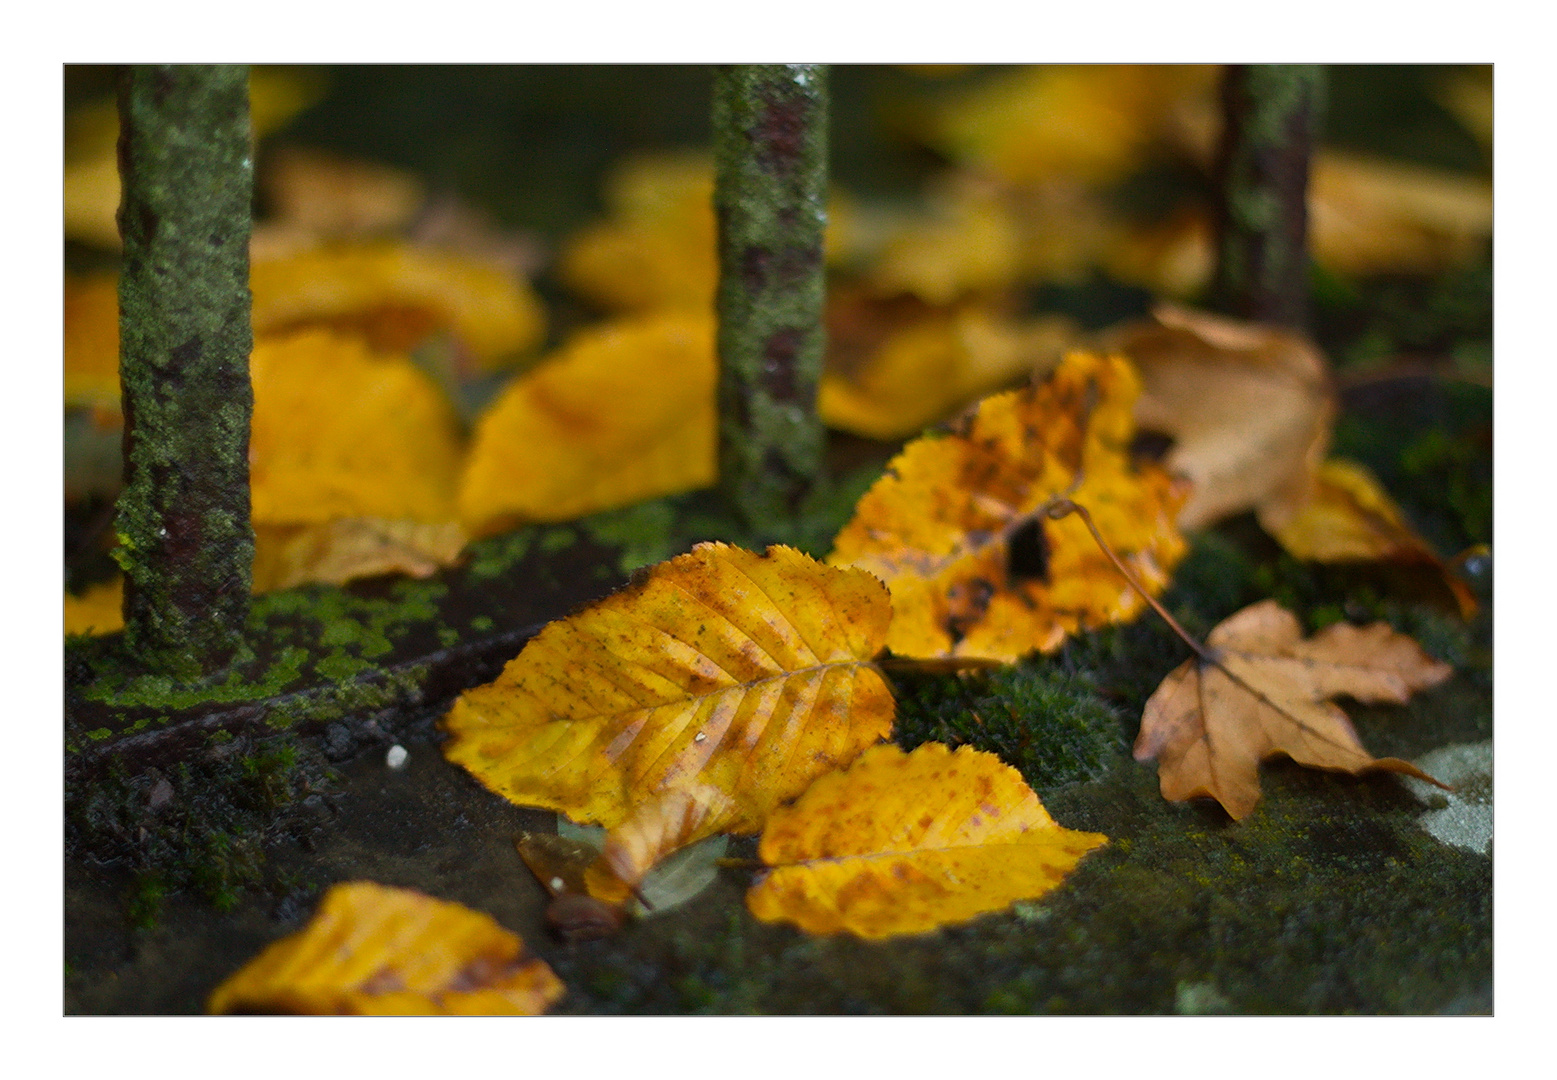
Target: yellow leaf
x=955 y=527
x=342 y=432
x=1249 y=406
x=99 y=610
x=931 y=367
x=1350 y=517
x=396 y=294
x=749 y=673
x=967 y=241
x=374 y=950
x=1262 y=690
x=92 y=340
x=657 y=827
x=623 y=412
x=903 y=843
x=344 y=549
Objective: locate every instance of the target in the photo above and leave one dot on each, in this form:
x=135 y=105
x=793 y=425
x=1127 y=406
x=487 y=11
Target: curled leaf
x=622 y=413
x=374 y=950
x=1262 y=690
x=903 y=843
x=668 y=822
x=749 y=673
x=956 y=526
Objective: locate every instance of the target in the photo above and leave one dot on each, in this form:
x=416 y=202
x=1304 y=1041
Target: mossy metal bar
x=185 y=540
x=1271 y=119
x=770 y=142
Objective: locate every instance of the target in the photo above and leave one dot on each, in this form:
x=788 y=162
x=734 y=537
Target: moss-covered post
x=1271 y=120
x=185 y=541
x=770 y=145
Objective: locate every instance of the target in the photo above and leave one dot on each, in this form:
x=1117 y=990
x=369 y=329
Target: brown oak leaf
x=1260 y=689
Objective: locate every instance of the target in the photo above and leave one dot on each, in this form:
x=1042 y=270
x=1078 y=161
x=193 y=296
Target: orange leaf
x=624 y=412
x=750 y=673
x=1265 y=691
x=92 y=340
x=373 y=950
x=339 y=431
x=99 y=610
x=1350 y=518
x=903 y=843
x=1249 y=407
x=954 y=528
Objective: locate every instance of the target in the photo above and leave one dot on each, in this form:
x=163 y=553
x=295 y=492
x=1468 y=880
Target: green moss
x=481 y=624
x=98 y=734
x=555 y=539
x=495 y=556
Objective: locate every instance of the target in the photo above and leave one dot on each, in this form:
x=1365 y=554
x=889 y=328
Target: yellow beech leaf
x=1260 y=689
x=1249 y=407
x=1093 y=122
x=956 y=530
x=99 y=610
x=623 y=412
x=903 y=843
x=397 y=294
x=932 y=367
x=748 y=673
x=1349 y=518
x=342 y=432
x=371 y=950
x=92 y=340
x=344 y=549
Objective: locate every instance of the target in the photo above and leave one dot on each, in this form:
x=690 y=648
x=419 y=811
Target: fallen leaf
x=92 y=340
x=622 y=413
x=99 y=610
x=1370 y=216
x=668 y=822
x=328 y=194
x=396 y=295
x=375 y=950
x=1249 y=406
x=955 y=527
x=1092 y=122
x=1351 y=518
x=344 y=549
x=903 y=843
x=965 y=240
x=1263 y=690
x=340 y=431
x=932 y=366
x=749 y=673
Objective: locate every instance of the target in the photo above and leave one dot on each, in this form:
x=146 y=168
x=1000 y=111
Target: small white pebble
x=396 y=758
x=556 y=884
x=700 y=736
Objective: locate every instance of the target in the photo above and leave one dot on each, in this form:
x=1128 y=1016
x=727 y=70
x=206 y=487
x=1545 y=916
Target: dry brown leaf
x=622 y=413
x=903 y=843
x=956 y=527
x=328 y=194
x=750 y=673
x=1351 y=518
x=934 y=365
x=1249 y=406
x=345 y=549
x=1263 y=690
x=379 y=951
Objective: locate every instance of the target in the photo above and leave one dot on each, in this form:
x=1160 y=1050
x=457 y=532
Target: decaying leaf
x=340 y=431
x=623 y=412
x=1263 y=690
x=1351 y=518
x=748 y=673
x=932 y=366
x=668 y=822
x=903 y=843
x=1249 y=407
x=344 y=549
x=396 y=295
x=380 y=951
x=956 y=530
x=99 y=610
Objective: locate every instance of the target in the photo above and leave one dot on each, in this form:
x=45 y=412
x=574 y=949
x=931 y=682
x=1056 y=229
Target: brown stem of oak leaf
x=1062 y=507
